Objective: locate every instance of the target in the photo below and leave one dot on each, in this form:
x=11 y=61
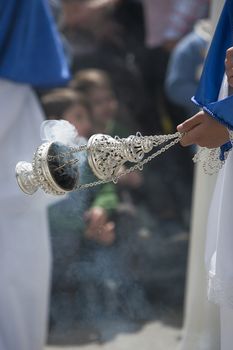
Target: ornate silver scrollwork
x=107 y=155
x=41 y=173
x=55 y=166
x=25 y=177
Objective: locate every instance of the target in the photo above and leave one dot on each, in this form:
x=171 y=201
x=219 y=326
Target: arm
x=107 y=198
x=99 y=227
x=229 y=66
x=204 y=130
x=209 y=127
x=182 y=79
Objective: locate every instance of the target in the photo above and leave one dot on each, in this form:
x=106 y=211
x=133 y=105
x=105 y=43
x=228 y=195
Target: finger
x=229 y=71
x=229 y=58
x=191 y=137
x=95 y=224
x=190 y=123
x=228 y=63
x=229 y=53
x=186 y=140
x=230 y=81
x=110 y=226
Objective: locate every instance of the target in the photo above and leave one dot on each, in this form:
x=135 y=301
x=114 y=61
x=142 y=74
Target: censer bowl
x=54 y=169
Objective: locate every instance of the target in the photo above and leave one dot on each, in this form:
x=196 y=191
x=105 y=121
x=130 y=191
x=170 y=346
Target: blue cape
x=213 y=71
x=30 y=48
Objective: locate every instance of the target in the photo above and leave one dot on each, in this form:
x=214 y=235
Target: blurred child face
x=104 y=106
x=79 y=116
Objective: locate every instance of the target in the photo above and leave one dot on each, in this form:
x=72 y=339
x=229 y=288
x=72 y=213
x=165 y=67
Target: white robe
x=219 y=251
x=202 y=318
x=24 y=244
x=219 y=245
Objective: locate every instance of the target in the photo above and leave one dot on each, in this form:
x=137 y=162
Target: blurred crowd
x=135 y=66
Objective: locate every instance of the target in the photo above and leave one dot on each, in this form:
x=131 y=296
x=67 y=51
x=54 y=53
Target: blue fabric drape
x=211 y=79
x=213 y=71
x=30 y=48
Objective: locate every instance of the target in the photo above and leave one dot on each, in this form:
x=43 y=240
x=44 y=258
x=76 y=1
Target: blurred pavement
x=156 y=335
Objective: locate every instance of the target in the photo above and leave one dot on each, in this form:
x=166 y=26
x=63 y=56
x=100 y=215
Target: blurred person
x=64 y=103
x=88 y=25
x=165 y=24
x=185 y=65
x=82 y=225
x=97 y=86
x=104 y=35
x=212 y=128
x=87 y=276
x=74 y=107
x=31 y=56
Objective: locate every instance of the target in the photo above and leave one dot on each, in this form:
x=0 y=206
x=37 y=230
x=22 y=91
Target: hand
x=203 y=130
x=98 y=227
x=96 y=217
x=229 y=66
x=106 y=234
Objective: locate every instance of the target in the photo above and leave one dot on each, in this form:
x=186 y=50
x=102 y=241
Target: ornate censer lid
x=54 y=168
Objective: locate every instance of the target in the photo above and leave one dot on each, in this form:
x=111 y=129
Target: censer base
x=23 y=172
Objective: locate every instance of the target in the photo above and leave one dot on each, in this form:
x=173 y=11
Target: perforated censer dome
x=55 y=166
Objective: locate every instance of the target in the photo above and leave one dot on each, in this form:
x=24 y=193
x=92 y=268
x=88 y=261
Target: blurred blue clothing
x=31 y=51
x=182 y=78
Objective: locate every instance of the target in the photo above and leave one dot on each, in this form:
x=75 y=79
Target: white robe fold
x=24 y=243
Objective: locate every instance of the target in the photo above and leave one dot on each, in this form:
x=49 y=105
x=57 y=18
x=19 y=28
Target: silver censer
x=55 y=166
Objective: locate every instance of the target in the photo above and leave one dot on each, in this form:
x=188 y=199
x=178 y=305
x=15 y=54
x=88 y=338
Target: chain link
x=156 y=140
x=139 y=166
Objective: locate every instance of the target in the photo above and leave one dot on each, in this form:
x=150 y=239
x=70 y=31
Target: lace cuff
x=213 y=159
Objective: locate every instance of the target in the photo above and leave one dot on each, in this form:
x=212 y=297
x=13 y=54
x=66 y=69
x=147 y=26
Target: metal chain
x=156 y=140
x=138 y=166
